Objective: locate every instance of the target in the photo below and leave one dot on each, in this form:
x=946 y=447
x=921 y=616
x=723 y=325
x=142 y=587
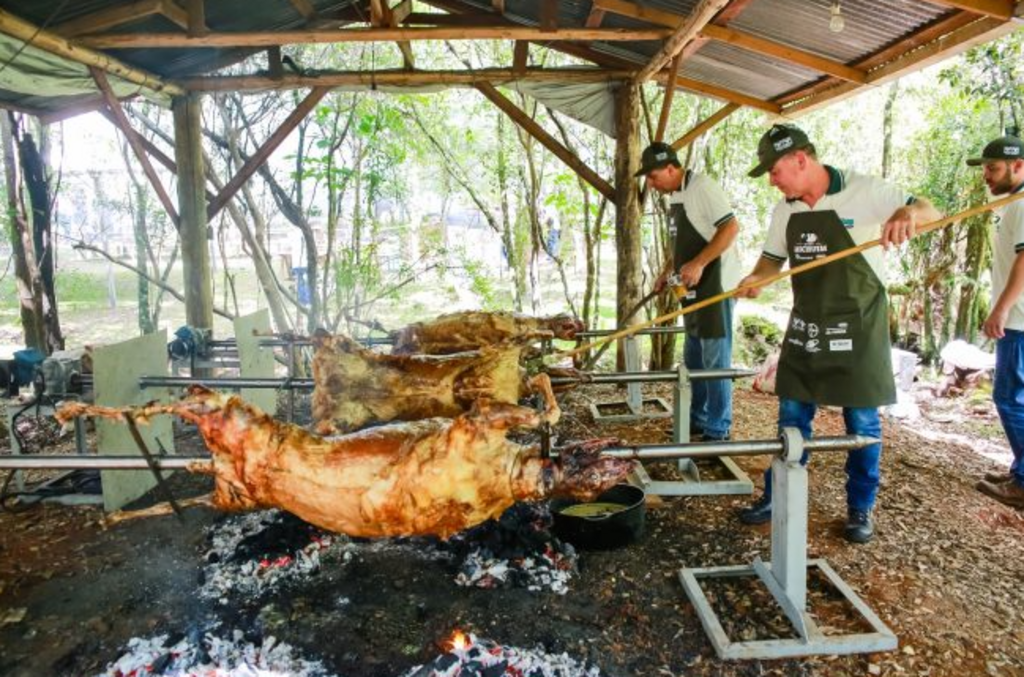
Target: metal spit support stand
x=736 y=482
x=786 y=578
x=634 y=401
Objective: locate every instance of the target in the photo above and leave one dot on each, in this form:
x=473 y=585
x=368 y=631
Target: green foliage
x=758 y=338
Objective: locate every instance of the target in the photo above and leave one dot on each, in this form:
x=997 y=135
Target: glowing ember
x=458 y=642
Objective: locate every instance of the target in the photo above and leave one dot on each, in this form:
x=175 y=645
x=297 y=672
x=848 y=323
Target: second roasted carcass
x=470 y=330
x=435 y=476
x=355 y=387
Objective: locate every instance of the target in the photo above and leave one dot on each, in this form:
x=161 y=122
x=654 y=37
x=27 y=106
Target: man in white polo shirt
x=702 y=230
x=836 y=349
x=1002 y=162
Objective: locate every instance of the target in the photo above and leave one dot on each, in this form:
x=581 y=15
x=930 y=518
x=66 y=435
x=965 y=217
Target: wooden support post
x=264 y=151
x=670 y=92
x=546 y=140
x=520 y=56
x=196 y=18
x=701 y=127
x=195 y=252
x=627 y=206
x=121 y=120
x=274 y=65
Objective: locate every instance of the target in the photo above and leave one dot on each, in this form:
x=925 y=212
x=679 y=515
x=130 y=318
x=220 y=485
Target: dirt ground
x=945 y=572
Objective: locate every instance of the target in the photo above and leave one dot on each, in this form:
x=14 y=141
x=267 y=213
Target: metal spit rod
x=307 y=383
x=637 y=452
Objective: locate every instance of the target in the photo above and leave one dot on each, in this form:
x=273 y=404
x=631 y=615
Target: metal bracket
x=634 y=402
x=786 y=578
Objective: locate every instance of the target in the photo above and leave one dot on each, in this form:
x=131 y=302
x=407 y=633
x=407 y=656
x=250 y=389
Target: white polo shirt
x=707 y=208
x=1007 y=242
x=863 y=204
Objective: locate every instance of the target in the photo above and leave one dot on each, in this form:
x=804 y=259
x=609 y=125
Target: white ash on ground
x=517 y=550
x=212 y=655
x=255 y=553
x=548 y=571
x=475 y=657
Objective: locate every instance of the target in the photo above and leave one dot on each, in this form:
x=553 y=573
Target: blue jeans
x=711 y=408
x=862 y=465
x=1008 y=395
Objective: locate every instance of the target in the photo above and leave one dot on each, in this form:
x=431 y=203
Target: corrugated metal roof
x=870 y=26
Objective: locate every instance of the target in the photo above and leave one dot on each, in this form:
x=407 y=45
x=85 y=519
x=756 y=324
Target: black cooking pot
x=594 y=528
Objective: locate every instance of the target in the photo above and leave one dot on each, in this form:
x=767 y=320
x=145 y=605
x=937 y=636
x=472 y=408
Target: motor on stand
x=188 y=343
x=60 y=375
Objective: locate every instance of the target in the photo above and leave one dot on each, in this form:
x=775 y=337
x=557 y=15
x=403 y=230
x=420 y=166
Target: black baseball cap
x=1003 y=148
x=656 y=155
x=777 y=142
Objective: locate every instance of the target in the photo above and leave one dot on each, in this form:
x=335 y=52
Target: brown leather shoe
x=1007 y=493
x=998 y=477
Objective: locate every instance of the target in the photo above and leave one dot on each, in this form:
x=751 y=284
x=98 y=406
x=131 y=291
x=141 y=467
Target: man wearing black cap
x=702 y=230
x=836 y=348
x=1002 y=162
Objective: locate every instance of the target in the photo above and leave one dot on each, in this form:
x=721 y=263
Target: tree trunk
x=627 y=213
x=37 y=184
x=975 y=260
x=890 y=102
x=30 y=288
x=141 y=262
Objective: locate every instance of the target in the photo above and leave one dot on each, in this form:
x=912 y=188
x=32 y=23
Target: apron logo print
x=798 y=324
x=796 y=342
x=809 y=247
x=841 y=345
x=839 y=329
x=812 y=346
x=812 y=330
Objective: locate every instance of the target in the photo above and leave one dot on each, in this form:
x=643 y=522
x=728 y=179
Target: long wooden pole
x=772 y=279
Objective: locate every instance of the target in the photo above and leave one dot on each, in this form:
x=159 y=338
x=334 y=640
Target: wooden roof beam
x=108 y=18
x=498 y=6
x=595 y=17
x=552 y=144
x=121 y=120
x=398 y=77
x=55 y=44
x=722 y=93
x=740 y=39
x=174 y=13
x=704 y=126
x=267 y=39
x=687 y=31
x=977 y=31
x=997 y=9
x=269 y=146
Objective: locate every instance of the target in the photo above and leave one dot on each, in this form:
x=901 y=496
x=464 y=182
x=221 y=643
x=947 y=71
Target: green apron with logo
x=709 y=322
x=836 y=350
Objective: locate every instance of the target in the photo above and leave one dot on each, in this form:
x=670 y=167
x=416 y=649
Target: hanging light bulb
x=836 y=24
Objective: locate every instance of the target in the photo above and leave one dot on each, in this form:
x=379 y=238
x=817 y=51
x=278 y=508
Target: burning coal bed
x=212 y=655
x=254 y=554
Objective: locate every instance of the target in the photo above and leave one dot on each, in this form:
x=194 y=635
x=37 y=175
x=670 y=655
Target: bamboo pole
x=772 y=279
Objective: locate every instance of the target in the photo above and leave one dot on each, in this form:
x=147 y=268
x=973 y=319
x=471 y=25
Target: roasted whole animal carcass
x=355 y=387
x=470 y=330
x=435 y=476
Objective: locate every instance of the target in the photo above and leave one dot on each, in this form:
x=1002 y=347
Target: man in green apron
x=836 y=349
x=1002 y=162
x=702 y=230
